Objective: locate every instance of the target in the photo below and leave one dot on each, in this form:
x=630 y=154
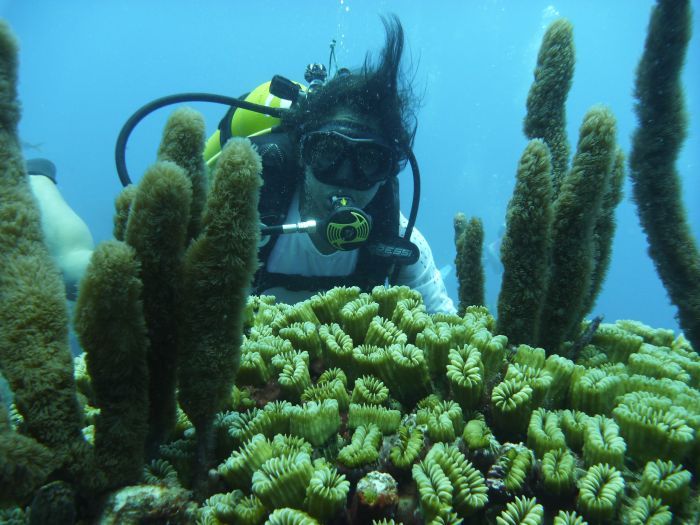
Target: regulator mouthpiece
x=347 y=227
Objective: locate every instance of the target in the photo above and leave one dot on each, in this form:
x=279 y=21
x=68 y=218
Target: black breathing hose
x=141 y=113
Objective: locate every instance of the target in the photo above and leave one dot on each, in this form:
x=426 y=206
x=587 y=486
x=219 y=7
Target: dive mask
x=373 y=159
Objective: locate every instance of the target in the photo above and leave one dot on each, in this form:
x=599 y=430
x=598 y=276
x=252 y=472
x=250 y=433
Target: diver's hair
x=379 y=91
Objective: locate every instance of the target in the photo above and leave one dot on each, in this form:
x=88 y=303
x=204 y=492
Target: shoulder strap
x=281 y=176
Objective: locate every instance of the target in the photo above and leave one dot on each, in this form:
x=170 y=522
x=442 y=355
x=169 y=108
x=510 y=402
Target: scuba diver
x=67 y=237
x=334 y=160
x=331 y=156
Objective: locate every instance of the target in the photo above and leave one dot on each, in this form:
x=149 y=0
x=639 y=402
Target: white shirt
x=296 y=254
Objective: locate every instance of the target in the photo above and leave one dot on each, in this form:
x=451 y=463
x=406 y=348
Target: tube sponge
x=109 y=306
x=576 y=209
x=183 y=143
x=218 y=269
x=546 y=110
x=25 y=463
x=525 y=247
x=161 y=203
x=122 y=206
x=469 y=268
x=656 y=184
x=34 y=354
x=604 y=231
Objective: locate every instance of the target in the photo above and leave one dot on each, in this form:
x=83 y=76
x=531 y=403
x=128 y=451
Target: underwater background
x=86 y=66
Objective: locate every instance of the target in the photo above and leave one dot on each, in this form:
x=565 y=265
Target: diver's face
x=318 y=195
x=342 y=159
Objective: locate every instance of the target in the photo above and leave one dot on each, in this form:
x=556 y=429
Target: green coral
x=568 y=518
x=238 y=469
x=600 y=492
x=282 y=481
x=408 y=445
x=666 y=481
x=327 y=493
x=646 y=510
x=465 y=375
x=304 y=337
x=559 y=472
x=477 y=435
x=469 y=492
x=522 y=511
x=369 y=390
x=511 y=404
x=515 y=463
x=653 y=427
x=357 y=315
x=444 y=421
x=364 y=447
x=544 y=432
x=602 y=442
x=434 y=489
x=315 y=422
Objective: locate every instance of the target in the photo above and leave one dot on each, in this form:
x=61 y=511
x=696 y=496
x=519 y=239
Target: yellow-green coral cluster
x=504 y=434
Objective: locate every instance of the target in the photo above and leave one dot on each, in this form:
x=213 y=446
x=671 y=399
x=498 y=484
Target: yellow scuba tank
x=246 y=123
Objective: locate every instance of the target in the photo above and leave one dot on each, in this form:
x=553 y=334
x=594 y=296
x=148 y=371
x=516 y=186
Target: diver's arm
x=424 y=276
x=67 y=237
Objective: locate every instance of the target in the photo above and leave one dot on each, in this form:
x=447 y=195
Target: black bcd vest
x=281 y=176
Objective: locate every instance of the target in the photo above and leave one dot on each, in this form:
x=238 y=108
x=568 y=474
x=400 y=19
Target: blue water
x=86 y=66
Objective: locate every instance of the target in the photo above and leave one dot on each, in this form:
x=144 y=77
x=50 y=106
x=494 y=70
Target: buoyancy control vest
x=282 y=175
